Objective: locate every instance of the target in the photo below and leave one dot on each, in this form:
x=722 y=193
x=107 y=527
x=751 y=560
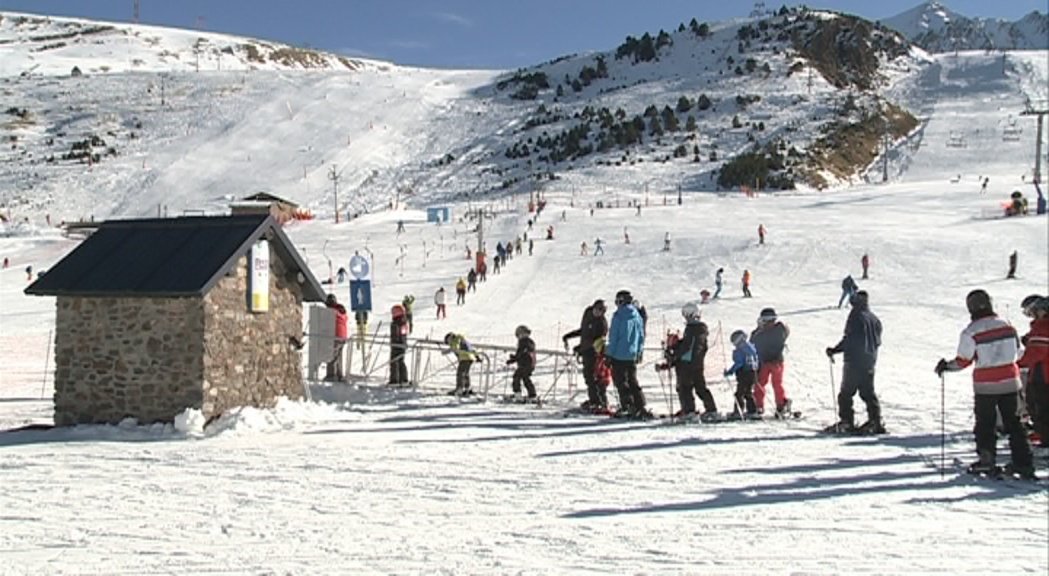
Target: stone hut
x=156 y=316
x=263 y=203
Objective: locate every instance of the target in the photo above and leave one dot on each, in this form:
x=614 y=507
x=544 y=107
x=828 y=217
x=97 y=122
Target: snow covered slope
x=44 y=46
x=936 y=28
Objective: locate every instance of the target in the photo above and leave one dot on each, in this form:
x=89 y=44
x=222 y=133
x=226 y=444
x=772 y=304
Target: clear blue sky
x=463 y=33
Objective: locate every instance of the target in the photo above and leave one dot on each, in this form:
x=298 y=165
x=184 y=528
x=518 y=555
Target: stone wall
x=247 y=357
x=121 y=357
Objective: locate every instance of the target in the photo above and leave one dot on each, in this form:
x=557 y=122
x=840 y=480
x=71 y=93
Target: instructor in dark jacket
x=860 y=346
x=591 y=327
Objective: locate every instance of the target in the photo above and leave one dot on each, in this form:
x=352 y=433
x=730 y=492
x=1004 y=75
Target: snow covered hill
x=34 y=45
x=367 y=480
x=936 y=28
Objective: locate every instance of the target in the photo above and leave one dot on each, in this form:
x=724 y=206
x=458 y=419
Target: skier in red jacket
x=1036 y=360
x=334 y=371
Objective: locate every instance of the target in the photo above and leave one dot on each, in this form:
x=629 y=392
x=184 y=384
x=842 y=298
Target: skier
x=761 y=233
x=7 y=262
x=1036 y=360
x=464 y=353
x=334 y=368
x=460 y=291
x=531 y=246
x=848 y=289
x=666 y=242
x=549 y=232
x=983 y=185
x=592 y=327
x=598 y=249
x=745 y=367
x=602 y=376
x=29 y=273
x=746 y=284
x=517 y=245
x=626 y=340
x=498 y=263
x=583 y=249
x=860 y=344
x=686 y=357
x=524 y=357
x=626 y=236
x=471 y=280
x=482 y=271
x=341 y=275
x=398 y=345
x=769 y=339
x=439 y=300
x=865 y=262
x=718 y=280
x=400 y=226
x=1012 y=266
x=408 y=302
x=500 y=251
x=991 y=344
x=360 y=317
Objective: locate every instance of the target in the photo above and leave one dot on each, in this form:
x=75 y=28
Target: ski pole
x=943 y=428
x=833 y=389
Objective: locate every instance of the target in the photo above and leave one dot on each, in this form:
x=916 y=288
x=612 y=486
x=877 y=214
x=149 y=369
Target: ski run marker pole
x=943 y=429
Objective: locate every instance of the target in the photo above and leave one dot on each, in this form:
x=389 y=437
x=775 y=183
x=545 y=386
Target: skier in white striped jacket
x=991 y=344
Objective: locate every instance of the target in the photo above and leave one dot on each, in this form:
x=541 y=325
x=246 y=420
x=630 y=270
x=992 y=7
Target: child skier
x=524 y=357
x=746 y=284
x=991 y=344
x=718 y=280
x=1036 y=359
x=398 y=345
x=463 y=351
x=745 y=367
x=602 y=377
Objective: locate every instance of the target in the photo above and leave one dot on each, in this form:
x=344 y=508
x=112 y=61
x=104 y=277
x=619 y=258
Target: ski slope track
x=364 y=480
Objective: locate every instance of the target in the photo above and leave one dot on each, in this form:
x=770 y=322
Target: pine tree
x=690 y=124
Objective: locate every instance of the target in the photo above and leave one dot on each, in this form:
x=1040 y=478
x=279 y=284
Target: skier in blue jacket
x=745 y=367
x=626 y=340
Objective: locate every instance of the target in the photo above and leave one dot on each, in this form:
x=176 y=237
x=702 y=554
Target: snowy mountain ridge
x=936 y=28
x=51 y=46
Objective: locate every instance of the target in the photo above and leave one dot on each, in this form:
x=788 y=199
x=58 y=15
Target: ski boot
x=872 y=428
x=841 y=428
x=710 y=417
x=784 y=411
x=1023 y=473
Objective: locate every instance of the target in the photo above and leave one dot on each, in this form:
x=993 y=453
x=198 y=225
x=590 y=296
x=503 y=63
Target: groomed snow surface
x=368 y=481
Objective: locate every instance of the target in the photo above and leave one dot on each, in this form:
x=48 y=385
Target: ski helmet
x=397 y=311
x=1034 y=302
x=623 y=297
x=690 y=311
x=738 y=337
x=448 y=338
x=331 y=300
x=978 y=302
x=598 y=307
x=522 y=331
x=767 y=316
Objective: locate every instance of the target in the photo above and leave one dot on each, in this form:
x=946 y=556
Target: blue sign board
x=361 y=295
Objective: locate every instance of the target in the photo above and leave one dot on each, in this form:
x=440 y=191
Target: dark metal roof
x=167 y=257
x=267 y=197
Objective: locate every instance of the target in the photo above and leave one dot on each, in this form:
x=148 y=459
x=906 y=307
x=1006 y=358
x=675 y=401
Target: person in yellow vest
x=460 y=292
x=464 y=352
x=407 y=303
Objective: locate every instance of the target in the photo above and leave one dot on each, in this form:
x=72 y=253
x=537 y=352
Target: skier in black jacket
x=524 y=357
x=860 y=345
x=687 y=358
x=592 y=326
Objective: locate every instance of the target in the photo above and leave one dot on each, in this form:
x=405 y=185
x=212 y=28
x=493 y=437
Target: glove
x=510 y=361
x=577 y=350
x=727 y=373
x=830 y=352
x=941 y=367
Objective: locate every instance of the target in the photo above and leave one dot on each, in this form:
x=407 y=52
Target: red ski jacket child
x=1036 y=351
x=602 y=372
